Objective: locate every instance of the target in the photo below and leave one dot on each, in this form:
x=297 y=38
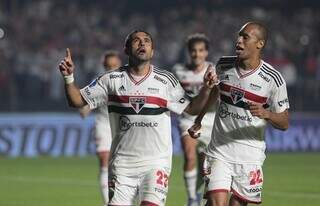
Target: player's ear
x=152 y=52
x=261 y=44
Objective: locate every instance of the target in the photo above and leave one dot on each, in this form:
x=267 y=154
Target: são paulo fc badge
x=137 y=103
x=236 y=95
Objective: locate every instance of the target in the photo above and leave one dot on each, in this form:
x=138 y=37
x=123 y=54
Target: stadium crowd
x=36 y=33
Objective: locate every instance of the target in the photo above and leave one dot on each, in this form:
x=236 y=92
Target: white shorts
x=102 y=134
x=186 y=121
x=150 y=186
x=243 y=180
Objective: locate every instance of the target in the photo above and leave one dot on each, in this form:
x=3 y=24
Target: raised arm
x=198 y=102
x=211 y=101
x=71 y=89
x=194 y=130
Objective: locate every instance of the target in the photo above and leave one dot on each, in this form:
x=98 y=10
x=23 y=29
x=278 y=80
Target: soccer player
x=191 y=78
x=252 y=94
x=139 y=97
x=102 y=132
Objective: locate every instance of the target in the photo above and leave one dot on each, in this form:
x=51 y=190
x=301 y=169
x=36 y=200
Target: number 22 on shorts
x=255 y=177
x=162 y=178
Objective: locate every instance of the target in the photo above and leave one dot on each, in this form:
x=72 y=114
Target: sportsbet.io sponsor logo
x=224 y=112
x=125 y=123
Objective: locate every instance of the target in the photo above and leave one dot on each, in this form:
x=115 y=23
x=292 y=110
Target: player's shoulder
x=272 y=73
x=165 y=76
x=178 y=67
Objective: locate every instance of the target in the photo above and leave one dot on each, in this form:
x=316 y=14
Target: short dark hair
x=111 y=53
x=263 y=30
x=128 y=40
x=198 y=37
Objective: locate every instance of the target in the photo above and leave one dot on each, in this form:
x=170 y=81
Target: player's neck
x=140 y=69
x=249 y=64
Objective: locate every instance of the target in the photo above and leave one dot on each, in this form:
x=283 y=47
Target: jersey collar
x=249 y=73
x=142 y=79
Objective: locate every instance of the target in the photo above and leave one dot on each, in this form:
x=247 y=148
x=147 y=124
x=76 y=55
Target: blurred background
x=36 y=33
x=36 y=121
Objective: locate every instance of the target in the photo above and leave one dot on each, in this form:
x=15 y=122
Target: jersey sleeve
x=178 y=99
x=279 y=99
x=95 y=94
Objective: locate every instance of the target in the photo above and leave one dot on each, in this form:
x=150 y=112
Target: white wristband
x=68 y=79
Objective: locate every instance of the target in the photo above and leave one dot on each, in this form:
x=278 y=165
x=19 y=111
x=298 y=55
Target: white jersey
x=139 y=115
x=238 y=137
x=192 y=82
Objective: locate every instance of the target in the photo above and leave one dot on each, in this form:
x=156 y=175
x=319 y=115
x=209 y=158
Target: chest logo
x=137 y=103
x=236 y=95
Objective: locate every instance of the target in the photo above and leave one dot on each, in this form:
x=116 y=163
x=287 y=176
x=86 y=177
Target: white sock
x=190 y=178
x=104 y=184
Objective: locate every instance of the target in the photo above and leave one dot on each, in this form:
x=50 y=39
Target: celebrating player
x=252 y=94
x=111 y=61
x=139 y=97
x=191 y=78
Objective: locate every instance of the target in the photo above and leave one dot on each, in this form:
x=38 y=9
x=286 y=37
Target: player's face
x=247 y=43
x=111 y=63
x=198 y=53
x=141 y=47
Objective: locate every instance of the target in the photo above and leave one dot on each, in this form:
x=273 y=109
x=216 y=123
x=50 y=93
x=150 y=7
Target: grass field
x=290 y=180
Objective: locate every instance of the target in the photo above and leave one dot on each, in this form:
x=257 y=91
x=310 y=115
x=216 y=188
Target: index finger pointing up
x=68 y=53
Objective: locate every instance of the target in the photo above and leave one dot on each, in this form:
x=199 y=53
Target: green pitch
x=290 y=180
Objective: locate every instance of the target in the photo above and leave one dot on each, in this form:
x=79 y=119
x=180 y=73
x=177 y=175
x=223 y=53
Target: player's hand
x=257 y=110
x=66 y=66
x=194 y=130
x=210 y=78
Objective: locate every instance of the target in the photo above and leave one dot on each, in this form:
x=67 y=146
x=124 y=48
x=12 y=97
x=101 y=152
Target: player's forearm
x=198 y=102
x=74 y=96
x=212 y=100
x=279 y=120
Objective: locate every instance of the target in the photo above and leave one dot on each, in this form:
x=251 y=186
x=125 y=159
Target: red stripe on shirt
x=248 y=95
x=149 y=100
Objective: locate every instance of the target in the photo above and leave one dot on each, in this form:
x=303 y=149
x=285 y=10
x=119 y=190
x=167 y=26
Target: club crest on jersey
x=236 y=95
x=137 y=103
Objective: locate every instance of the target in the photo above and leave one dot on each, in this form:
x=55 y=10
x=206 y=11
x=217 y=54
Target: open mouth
x=141 y=51
x=239 y=49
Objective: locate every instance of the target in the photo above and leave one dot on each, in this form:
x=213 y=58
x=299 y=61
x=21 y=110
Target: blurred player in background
x=252 y=94
x=190 y=76
x=139 y=97
x=102 y=133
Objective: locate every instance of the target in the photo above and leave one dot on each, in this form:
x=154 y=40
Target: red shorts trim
x=118 y=205
x=240 y=197
x=214 y=191
x=149 y=203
